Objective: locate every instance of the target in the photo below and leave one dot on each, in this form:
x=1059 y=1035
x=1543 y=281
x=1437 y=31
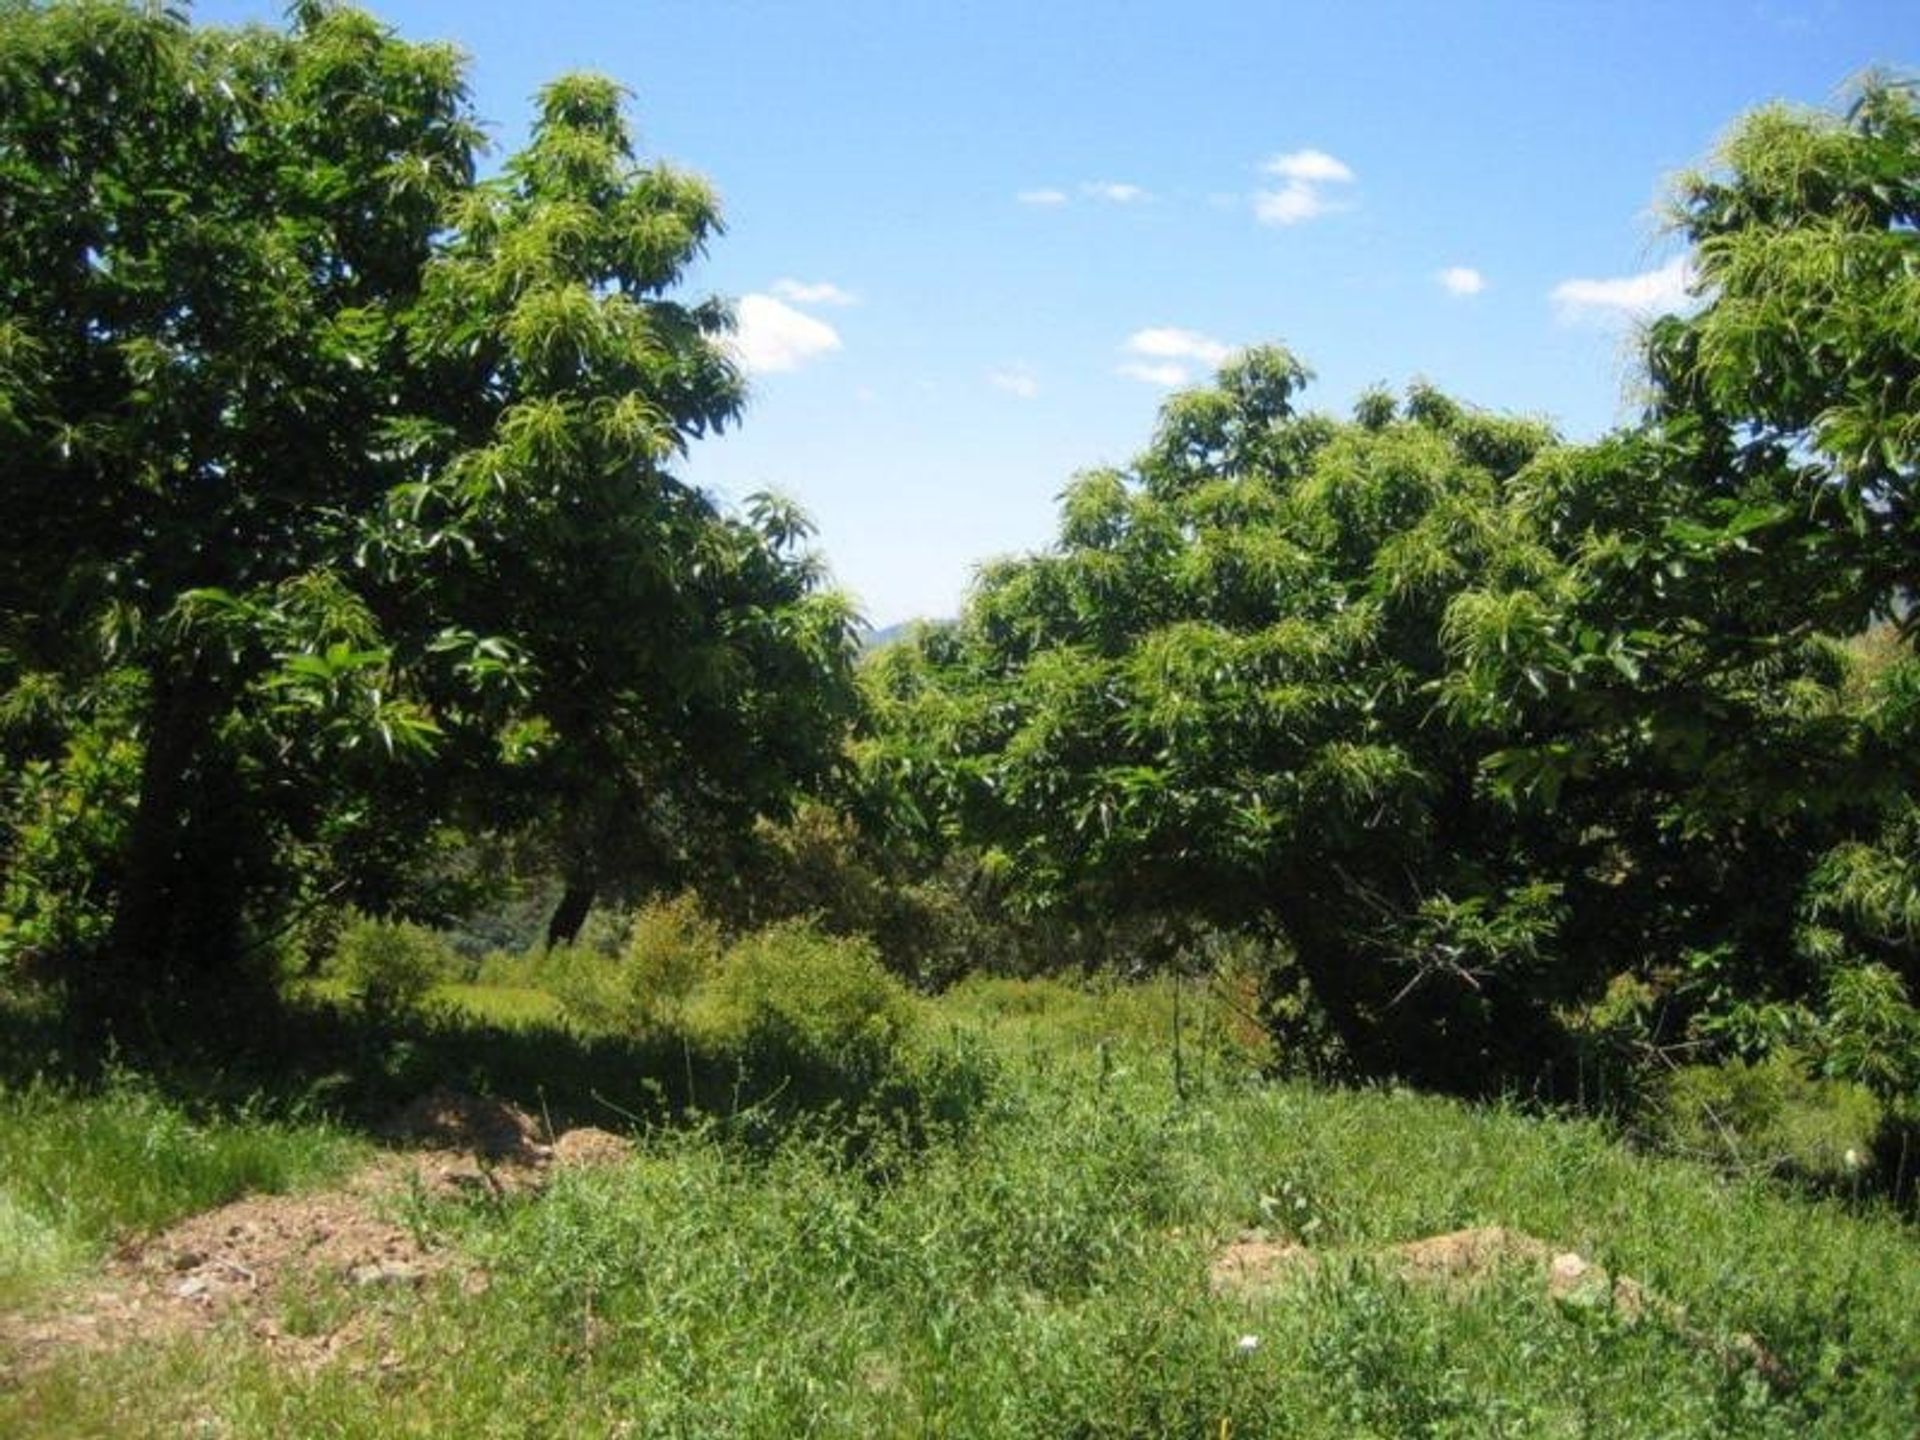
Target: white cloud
x=1042 y=197
x=1115 y=191
x=1636 y=297
x=1168 y=375
x=1461 y=280
x=773 y=336
x=821 y=292
x=1016 y=380
x=1299 y=201
x=1305 y=196
x=1168 y=343
x=1309 y=167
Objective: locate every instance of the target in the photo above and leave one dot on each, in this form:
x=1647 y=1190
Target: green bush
x=61 y=823
x=672 y=946
x=586 y=983
x=644 y=993
x=1769 y=1116
x=1870 y=1032
x=813 y=1009
x=390 y=966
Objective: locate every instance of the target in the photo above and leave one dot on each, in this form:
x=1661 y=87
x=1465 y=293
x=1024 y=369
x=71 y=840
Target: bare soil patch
x=242 y=1260
x=1257 y=1265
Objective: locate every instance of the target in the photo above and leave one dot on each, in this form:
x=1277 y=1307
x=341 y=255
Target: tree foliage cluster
x=341 y=528
x=342 y=556
x=1480 y=722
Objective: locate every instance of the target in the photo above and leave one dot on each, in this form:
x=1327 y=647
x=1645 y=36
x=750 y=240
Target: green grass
x=508 y=1005
x=80 y=1168
x=1044 y=1273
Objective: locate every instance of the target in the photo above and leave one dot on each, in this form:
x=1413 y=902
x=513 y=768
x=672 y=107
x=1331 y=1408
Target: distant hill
x=887 y=634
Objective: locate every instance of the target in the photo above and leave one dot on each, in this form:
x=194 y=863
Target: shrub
x=817 y=1010
x=60 y=823
x=587 y=984
x=1769 y=1116
x=390 y=966
x=670 y=946
x=1870 y=1032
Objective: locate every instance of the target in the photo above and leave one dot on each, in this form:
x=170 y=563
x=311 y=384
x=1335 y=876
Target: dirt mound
x=1256 y=1262
x=1467 y=1255
x=490 y=1129
x=240 y=1260
x=246 y=1259
x=1257 y=1265
x=588 y=1146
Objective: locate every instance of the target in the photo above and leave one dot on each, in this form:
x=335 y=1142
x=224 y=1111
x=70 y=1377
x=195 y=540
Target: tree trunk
x=144 y=943
x=571 y=913
x=1333 y=974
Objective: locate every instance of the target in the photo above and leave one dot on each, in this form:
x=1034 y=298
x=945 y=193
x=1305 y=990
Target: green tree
x=1216 y=698
x=356 y=473
x=1703 y=693
x=687 y=670
x=1805 y=349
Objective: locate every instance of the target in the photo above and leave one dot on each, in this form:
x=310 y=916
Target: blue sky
x=974 y=243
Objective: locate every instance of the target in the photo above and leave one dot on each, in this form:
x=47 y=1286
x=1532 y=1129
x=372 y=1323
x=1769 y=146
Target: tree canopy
x=1473 y=718
x=1217 y=696
x=339 y=499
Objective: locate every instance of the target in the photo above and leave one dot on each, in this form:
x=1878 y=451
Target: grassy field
x=1039 y=1270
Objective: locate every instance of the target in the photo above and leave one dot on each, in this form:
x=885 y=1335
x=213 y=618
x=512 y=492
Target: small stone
x=1578 y=1283
x=388 y=1272
x=192 y=1287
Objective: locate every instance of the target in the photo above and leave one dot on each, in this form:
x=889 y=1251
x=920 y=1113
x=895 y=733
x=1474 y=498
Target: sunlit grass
x=1044 y=1273
x=82 y=1168
x=511 y=1005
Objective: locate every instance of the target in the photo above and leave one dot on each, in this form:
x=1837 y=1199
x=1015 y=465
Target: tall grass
x=80 y=1168
x=1044 y=1273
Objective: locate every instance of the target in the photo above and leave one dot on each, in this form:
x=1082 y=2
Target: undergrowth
x=1043 y=1271
x=84 y=1167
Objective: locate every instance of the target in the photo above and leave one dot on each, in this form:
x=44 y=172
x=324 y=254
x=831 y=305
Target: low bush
x=389 y=966
x=642 y=993
x=816 y=1010
x=1769 y=1116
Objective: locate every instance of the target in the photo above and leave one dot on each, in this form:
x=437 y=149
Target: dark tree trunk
x=1334 y=973
x=571 y=913
x=156 y=839
x=177 y=913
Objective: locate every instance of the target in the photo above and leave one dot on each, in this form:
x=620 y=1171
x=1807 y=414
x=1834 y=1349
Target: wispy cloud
x=1167 y=342
x=1167 y=355
x=1108 y=192
x=1461 y=280
x=819 y=292
x=1305 y=195
x=1309 y=167
x=1168 y=374
x=772 y=336
x=1016 y=380
x=1297 y=202
x=1626 y=297
x=1114 y=191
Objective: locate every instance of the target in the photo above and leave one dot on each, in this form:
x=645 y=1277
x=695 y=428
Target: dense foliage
x=1478 y=721
x=1217 y=696
x=343 y=563
x=338 y=509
